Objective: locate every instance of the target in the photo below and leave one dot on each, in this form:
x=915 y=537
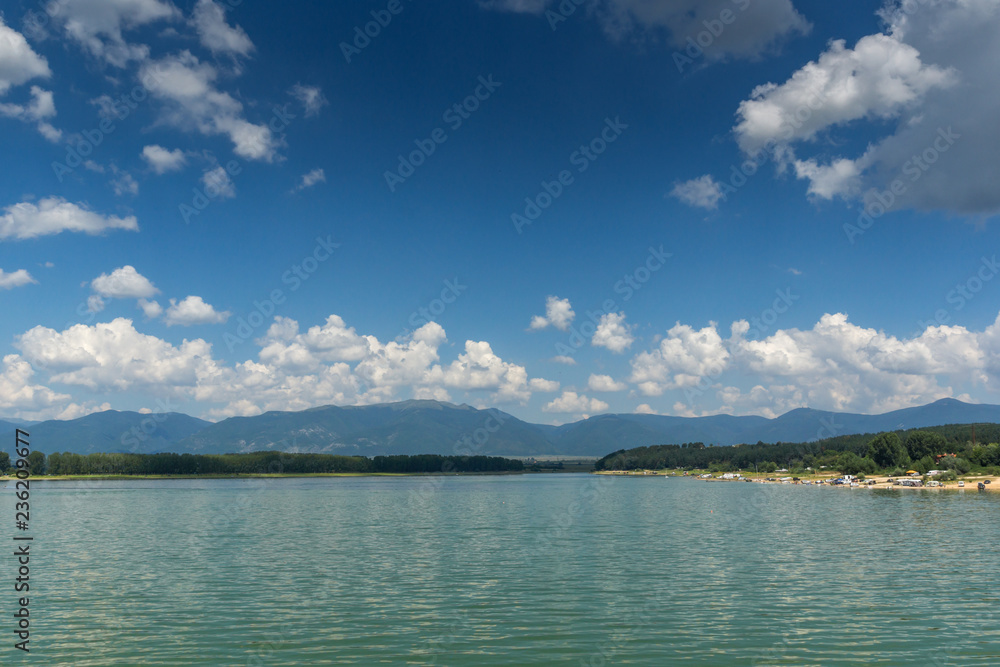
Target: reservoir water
x=504 y=570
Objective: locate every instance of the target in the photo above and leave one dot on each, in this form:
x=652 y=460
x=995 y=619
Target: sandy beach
x=880 y=481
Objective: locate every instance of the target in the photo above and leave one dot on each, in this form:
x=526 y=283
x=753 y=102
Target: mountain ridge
x=437 y=427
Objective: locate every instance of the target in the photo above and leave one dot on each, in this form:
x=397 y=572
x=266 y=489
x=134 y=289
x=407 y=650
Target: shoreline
x=822 y=480
x=77 y=478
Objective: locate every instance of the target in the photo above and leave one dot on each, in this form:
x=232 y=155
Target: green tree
x=4 y=461
x=925 y=443
x=887 y=451
x=852 y=464
x=36 y=460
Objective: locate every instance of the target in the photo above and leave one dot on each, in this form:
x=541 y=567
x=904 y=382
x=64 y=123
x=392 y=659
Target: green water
x=513 y=570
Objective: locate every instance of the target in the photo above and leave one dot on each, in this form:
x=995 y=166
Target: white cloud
x=114 y=356
x=14 y=279
x=41 y=107
x=123 y=283
x=570 y=401
x=218 y=183
x=751 y=28
x=604 y=383
x=558 y=313
x=682 y=359
x=97 y=25
x=311 y=98
x=161 y=160
x=480 y=368
x=18 y=61
x=151 y=309
x=283 y=346
x=545 y=386
x=928 y=63
x=835 y=365
x=123 y=183
x=95 y=303
x=644 y=409
x=612 y=333
x=702 y=192
x=190 y=311
x=53 y=215
x=312 y=178
x=563 y=359
x=209 y=20
x=878 y=78
x=187 y=86
x=329 y=363
x=19 y=395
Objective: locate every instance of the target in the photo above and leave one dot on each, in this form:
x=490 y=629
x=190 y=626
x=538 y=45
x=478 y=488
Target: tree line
x=949 y=447
x=68 y=463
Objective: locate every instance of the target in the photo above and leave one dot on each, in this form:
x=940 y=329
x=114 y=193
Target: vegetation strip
x=257 y=463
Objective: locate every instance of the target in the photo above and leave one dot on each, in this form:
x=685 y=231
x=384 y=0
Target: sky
x=559 y=208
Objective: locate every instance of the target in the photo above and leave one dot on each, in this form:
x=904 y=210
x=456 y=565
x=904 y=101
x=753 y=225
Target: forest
x=953 y=447
x=255 y=463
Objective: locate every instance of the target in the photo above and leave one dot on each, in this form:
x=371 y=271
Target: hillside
x=434 y=427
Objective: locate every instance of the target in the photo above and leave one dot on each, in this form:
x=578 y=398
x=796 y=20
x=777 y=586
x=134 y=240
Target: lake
x=501 y=570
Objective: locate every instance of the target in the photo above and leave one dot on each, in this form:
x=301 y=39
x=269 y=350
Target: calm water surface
x=533 y=569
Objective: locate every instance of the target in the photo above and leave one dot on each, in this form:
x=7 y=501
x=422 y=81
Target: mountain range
x=434 y=427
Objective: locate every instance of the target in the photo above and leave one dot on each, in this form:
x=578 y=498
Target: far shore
x=71 y=478
x=881 y=481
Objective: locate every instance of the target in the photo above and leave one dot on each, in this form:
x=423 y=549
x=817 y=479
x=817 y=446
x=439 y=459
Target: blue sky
x=498 y=204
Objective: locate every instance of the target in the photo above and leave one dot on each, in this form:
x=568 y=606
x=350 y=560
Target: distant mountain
x=434 y=427
x=410 y=427
x=114 y=431
x=607 y=432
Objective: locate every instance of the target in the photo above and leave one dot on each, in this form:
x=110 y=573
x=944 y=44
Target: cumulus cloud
x=480 y=368
x=311 y=98
x=334 y=341
x=218 y=183
x=123 y=183
x=604 y=383
x=19 y=397
x=14 y=279
x=542 y=385
x=190 y=311
x=19 y=64
x=18 y=61
x=930 y=61
x=192 y=101
x=878 y=78
x=702 y=192
x=41 y=108
x=751 y=27
x=310 y=179
x=95 y=303
x=123 y=283
x=563 y=359
x=612 y=333
x=161 y=160
x=53 y=215
x=682 y=359
x=209 y=20
x=151 y=309
x=558 y=313
x=570 y=401
x=97 y=26
x=836 y=365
